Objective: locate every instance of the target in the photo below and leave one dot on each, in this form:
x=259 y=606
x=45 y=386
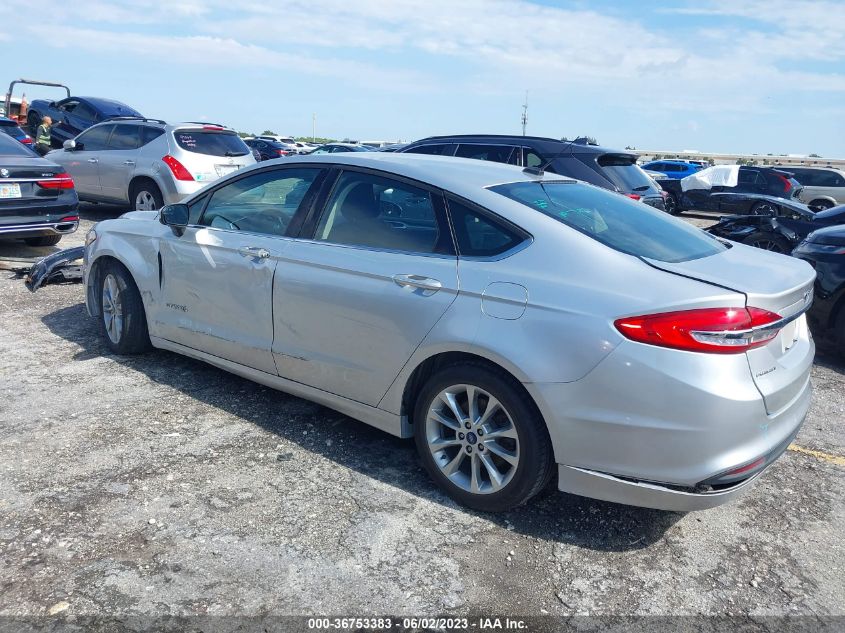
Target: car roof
x=446 y=172
x=576 y=148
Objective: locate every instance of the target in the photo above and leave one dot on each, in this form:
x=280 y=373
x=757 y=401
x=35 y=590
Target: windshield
x=626 y=174
x=615 y=221
x=211 y=143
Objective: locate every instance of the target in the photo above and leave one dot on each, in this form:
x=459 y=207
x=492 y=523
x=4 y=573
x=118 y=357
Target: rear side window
x=84 y=111
x=149 y=134
x=211 y=143
x=623 y=172
x=442 y=149
x=494 y=153
x=622 y=224
x=480 y=235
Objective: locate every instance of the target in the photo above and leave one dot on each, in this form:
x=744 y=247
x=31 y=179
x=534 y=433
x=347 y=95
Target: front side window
x=613 y=220
x=86 y=112
x=95 y=139
x=125 y=137
x=376 y=212
x=261 y=203
x=441 y=149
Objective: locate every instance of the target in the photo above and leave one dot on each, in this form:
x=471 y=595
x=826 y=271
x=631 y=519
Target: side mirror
x=69 y=145
x=176 y=217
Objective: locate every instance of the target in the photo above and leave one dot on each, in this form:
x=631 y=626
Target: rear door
x=352 y=304
x=117 y=161
x=217 y=278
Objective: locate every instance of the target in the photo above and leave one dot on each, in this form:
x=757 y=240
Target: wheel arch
x=427 y=367
x=828 y=199
x=138 y=178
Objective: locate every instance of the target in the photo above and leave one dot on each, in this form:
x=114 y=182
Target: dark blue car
x=267 y=149
x=676 y=169
x=73 y=115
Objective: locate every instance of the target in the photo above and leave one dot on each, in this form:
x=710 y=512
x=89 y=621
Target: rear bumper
x=15 y=231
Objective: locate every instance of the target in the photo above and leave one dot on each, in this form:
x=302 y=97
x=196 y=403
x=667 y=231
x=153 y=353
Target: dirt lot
x=158 y=485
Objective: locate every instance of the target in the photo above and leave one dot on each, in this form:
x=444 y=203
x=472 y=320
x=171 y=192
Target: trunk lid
x=17 y=182
x=773 y=282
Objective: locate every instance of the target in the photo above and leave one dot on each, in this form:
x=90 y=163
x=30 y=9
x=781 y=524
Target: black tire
x=671 y=204
x=147 y=190
x=820 y=205
x=33 y=120
x=43 y=240
x=535 y=464
x=768 y=242
x=839 y=332
x=129 y=335
x=764 y=208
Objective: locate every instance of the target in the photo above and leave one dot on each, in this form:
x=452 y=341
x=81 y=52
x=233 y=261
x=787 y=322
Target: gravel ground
x=158 y=485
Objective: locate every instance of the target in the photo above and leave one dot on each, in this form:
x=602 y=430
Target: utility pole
x=313 y=127
x=525 y=113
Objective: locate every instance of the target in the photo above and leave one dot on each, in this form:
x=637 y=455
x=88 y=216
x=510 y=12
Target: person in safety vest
x=42 y=136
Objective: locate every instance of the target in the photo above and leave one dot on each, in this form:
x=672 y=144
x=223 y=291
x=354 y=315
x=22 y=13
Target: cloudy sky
x=714 y=75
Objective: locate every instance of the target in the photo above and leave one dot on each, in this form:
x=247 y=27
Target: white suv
x=148 y=163
x=824 y=187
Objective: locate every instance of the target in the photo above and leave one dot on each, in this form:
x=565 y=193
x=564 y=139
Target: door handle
x=93 y=160
x=418 y=281
x=254 y=251
x=129 y=162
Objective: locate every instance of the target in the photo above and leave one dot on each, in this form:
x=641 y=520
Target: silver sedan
x=518 y=325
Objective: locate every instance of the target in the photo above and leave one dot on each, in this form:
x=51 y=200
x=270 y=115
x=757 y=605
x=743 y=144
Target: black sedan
x=825 y=251
x=267 y=149
x=731 y=189
x=779 y=232
x=38 y=201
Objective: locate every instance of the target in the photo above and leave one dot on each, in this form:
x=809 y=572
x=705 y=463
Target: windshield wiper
x=231 y=153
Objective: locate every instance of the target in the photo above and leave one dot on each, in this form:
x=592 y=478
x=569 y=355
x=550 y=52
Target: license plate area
x=10 y=190
x=788 y=336
x=225 y=170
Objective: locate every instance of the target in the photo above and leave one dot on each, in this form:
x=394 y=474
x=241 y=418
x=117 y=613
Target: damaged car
x=734 y=189
x=521 y=326
x=780 y=232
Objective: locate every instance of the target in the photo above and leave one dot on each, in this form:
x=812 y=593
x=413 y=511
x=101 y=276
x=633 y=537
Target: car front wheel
x=481 y=438
x=123 y=321
x=768 y=242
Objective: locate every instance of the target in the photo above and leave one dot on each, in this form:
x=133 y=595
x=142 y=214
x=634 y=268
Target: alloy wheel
x=145 y=201
x=112 y=308
x=768 y=245
x=472 y=439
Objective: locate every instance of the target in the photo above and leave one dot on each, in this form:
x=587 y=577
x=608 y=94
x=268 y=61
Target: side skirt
x=382 y=420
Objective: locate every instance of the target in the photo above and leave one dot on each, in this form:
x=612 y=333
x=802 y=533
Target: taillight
x=70 y=218
x=787 y=185
x=713 y=330
x=178 y=169
x=281 y=152
x=26 y=141
x=633 y=196
x=59 y=181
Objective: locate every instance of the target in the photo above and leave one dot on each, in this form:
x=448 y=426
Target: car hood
x=768 y=280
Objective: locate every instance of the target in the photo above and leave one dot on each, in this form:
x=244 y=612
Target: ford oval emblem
x=4 y=172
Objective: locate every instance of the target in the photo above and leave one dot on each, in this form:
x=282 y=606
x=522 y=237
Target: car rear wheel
x=768 y=242
x=671 y=204
x=43 y=240
x=146 y=196
x=32 y=122
x=764 y=208
x=123 y=321
x=820 y=205
x=481 y=438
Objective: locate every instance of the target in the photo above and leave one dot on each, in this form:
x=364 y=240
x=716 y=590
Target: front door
x=83 y=163
x=217 y=278
x=352 y=305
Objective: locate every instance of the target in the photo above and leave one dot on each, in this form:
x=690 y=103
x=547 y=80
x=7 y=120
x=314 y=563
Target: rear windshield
x=615 y=221
x=626 y=174
x=13 y=147
x=211 y=143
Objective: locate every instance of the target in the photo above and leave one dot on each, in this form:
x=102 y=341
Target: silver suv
x=148 y=163
x=823 y=187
